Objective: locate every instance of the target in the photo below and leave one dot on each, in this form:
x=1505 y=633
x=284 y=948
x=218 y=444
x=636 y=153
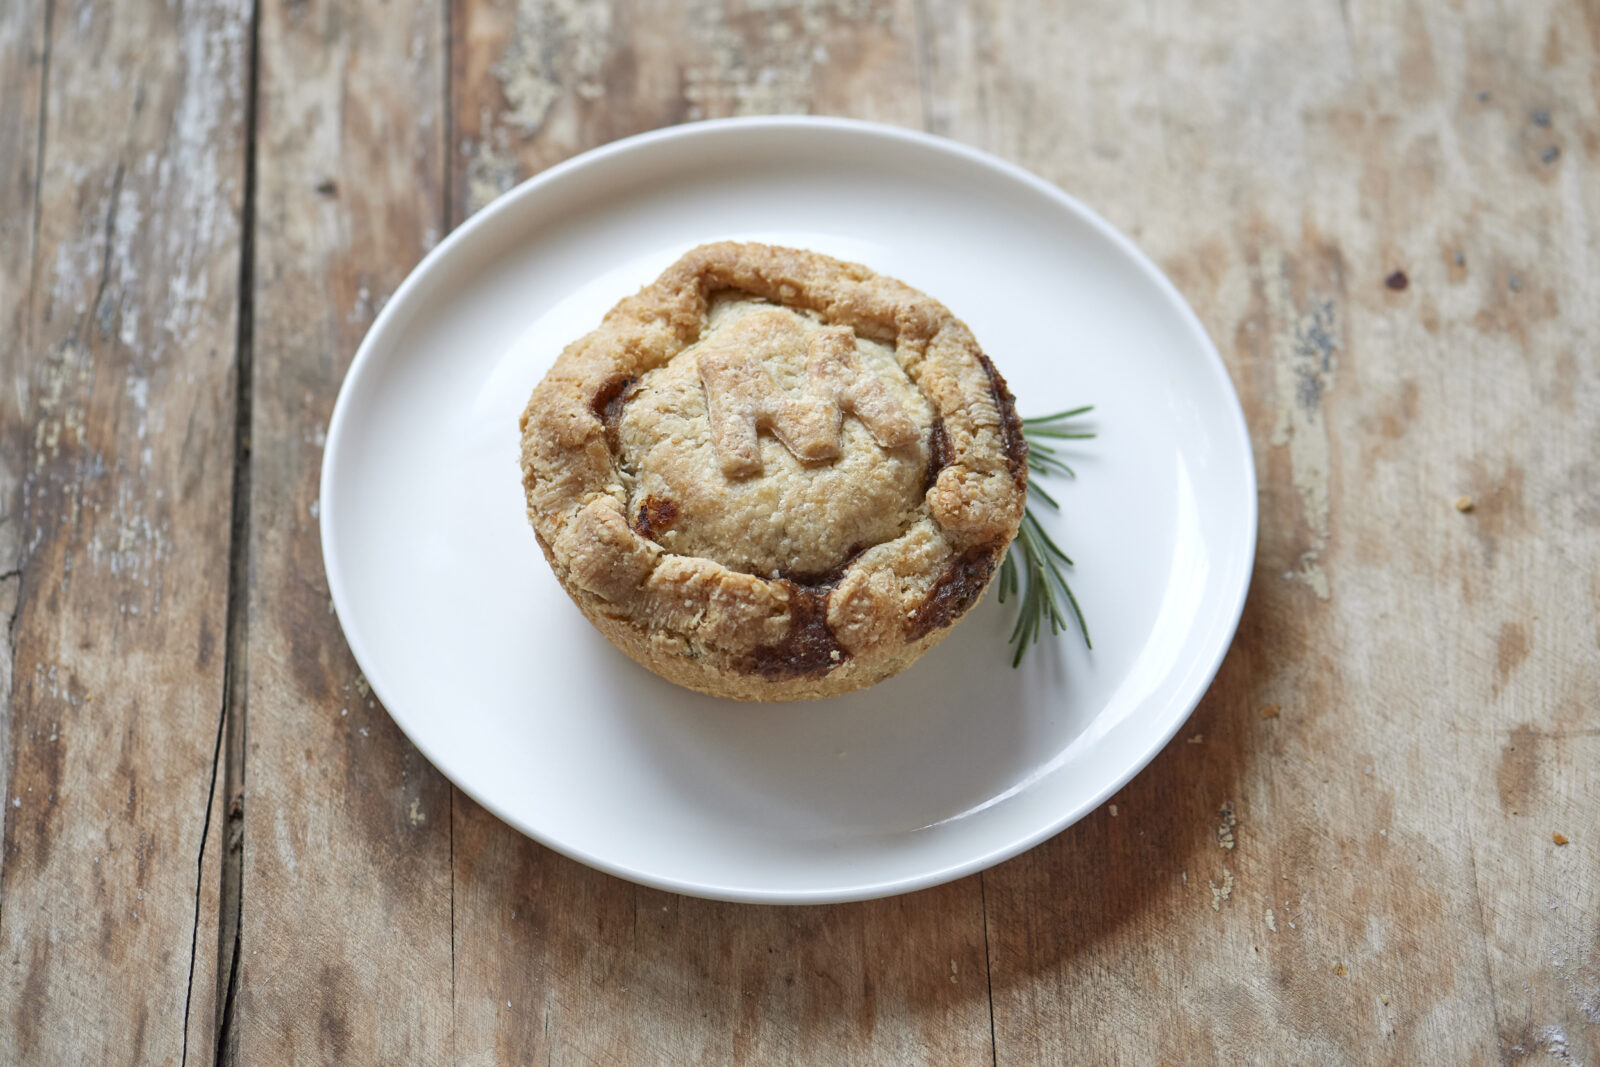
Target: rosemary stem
x=1032 y=569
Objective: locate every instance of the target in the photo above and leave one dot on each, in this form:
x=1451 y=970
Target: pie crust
x=774 y=475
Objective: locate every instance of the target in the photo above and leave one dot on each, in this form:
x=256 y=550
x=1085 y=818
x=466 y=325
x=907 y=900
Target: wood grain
x=23 y=32
x=1384 y=211
x=559 y=963
x=346 y=916
x=119 y=423
x=1375 y=893
x=536 y=81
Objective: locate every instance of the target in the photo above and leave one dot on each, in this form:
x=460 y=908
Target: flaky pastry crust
x=750 y=614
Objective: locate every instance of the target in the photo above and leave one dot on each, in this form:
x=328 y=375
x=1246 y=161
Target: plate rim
x=376 y=338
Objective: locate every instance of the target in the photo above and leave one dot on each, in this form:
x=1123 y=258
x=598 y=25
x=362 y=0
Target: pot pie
x=774 y=475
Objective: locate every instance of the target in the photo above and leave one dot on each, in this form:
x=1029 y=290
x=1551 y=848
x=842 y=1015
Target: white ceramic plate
x=956 y=764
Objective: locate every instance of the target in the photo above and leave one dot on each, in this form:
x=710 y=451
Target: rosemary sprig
x=1039 y=578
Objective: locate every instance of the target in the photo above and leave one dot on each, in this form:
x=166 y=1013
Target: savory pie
x=773 y=475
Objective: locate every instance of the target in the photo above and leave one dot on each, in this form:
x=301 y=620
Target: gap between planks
x=231 y=726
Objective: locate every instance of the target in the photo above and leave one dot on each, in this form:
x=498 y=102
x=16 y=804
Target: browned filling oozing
x=655 y=517
x=1010 y=424
x=809 y=648
x=824 y=581
x=965 y=577
x=607 y=405
x=956 y=589
x=938 y=453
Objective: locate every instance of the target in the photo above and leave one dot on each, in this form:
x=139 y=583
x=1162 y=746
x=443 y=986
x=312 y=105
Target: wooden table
x=216 y=843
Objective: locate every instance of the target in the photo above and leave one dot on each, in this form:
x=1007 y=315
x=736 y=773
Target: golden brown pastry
x=773 y=475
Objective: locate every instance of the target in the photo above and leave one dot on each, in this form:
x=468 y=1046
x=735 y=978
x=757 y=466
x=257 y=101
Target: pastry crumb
x=1559 y=838
x=1197 y=739
x=1464 y=504
x=1270 y=711
x=1340 y=970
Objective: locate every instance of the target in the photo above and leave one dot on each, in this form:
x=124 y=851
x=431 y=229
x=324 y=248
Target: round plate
x=956 y=764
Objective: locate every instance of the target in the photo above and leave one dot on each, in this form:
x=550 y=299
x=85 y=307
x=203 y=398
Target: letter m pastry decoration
x=743 y=399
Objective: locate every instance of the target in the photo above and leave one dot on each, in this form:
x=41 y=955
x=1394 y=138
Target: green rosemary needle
x=1038 y=577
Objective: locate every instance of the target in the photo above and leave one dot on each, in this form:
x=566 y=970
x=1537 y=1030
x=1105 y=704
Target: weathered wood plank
x=1519 y=575
x=345 y=937
x=1371 y=893
x=559 y=963
x=536 y=81
x=555 y=962
x=23 y=33
x=117 y=360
